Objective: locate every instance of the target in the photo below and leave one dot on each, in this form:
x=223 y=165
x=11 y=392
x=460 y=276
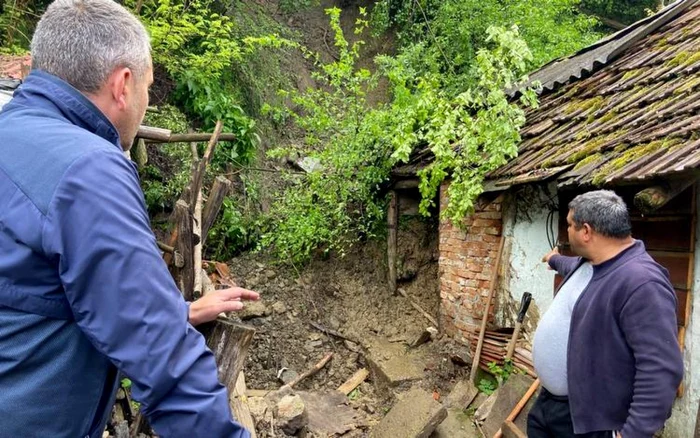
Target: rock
x=253 y=309
x=352 y=346
x=121 y=430
x=270 y=274
x=456 y=425
x=279 y=307
x=426 y=335
x=287 y=376
x=416 y=415
x=484 y=410
x=291 y=414
x=461 y=395
x=334 y=322
x=391 y=366
x=258 y=408
x=207 y=285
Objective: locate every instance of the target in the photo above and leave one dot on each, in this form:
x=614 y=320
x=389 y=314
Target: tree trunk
x=214 y=203
x=392 y=224
x=185 y=247
x=229 y=341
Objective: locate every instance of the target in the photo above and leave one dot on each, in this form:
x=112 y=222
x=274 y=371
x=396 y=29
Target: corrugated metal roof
x=634 y=119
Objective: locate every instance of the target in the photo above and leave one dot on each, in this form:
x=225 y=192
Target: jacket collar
x=50 y=93
x=609 y=265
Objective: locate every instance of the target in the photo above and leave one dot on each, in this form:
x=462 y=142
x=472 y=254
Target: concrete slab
x=457 y=425
x=391 y=365
x=507 y=396
x=416 y=415
x=461 y=395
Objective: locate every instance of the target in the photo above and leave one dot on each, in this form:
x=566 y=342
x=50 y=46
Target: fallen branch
x=354 y=381
x=329 y=332
x=418 y=308
x=308 y=373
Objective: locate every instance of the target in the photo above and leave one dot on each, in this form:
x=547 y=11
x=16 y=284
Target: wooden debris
x=652 y=198
x=426 y=335
x=185 y=275
x=230 y=342
x=329 y=414
x=329 y=332
x=354 y=381
x=160 y=135
x=239 y=405
x=309 y=373
x=418 y=307
x=214 y=202
x=198 y=175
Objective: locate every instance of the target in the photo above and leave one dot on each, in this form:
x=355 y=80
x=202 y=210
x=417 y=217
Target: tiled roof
x=14 y=67
x=634 y=119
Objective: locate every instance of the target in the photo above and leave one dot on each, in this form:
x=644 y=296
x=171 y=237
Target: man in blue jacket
x=83 y=289
x=606 y=350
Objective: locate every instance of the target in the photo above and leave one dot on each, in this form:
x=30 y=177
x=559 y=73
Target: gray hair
x=84 y=41
x=604 y=211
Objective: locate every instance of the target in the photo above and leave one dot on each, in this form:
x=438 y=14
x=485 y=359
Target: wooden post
x=197 y=231
x=392 y=224
x=198 y=176
x=487 y=309
x=229 y=341
x=184 y=246
x=213 y=205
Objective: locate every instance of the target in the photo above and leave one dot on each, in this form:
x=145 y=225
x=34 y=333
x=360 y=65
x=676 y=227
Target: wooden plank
x=354 y=381
x=239 y=405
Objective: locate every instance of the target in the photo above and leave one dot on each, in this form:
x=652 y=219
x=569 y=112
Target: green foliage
x=350 y=149
x=451 y=32
x=334 y=204
x=469 y=134
x=197 y=46
x=500 y=374
x=625 y=11
x=291 y=6
x=162 y=184
x=17 y=21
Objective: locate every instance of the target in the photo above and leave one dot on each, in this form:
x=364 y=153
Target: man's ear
x=588 y=231
x=119 y=82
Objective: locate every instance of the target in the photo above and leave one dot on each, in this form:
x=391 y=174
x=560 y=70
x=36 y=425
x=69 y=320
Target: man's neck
x=609 y=248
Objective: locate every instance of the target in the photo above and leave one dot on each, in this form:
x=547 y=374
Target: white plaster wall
x=528 y=243
x=685 y=410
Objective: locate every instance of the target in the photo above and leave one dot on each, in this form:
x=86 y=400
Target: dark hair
x=604 y=211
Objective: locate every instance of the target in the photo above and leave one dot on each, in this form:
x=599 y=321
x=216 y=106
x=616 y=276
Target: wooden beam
x=159 y=135
x=214 y=202
x=653 y=198
x=201 y=167
x=392 y=224
x=154 y=134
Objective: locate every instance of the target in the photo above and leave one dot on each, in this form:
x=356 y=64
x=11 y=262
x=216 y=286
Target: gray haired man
x=606 y=350
x=83 y=289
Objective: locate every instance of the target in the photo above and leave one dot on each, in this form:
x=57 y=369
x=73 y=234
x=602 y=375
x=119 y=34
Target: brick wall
x=466 y=262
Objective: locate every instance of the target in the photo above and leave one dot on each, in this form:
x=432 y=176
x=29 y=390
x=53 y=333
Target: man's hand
x=211 y=305
x=546 y=257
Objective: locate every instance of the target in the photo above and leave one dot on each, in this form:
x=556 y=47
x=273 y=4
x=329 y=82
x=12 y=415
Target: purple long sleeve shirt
x=624 y=362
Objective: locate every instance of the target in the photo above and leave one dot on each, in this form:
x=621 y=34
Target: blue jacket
x=83 y=288
x=624 y=363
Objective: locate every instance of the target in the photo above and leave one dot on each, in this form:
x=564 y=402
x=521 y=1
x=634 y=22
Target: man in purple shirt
x=606 y=350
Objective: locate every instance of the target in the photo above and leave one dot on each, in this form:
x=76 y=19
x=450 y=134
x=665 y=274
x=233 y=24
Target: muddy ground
x=348 y=295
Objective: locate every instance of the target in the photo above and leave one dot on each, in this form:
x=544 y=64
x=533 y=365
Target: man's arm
x=648 y=320
x=126 y=303
x=562 y=264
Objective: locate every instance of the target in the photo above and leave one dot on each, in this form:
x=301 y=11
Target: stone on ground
x=457 y=425
x=507 y=396
x=461 y=395
x=391 y=365
x=329 y=414
x=291 y=414
x=416 y=415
